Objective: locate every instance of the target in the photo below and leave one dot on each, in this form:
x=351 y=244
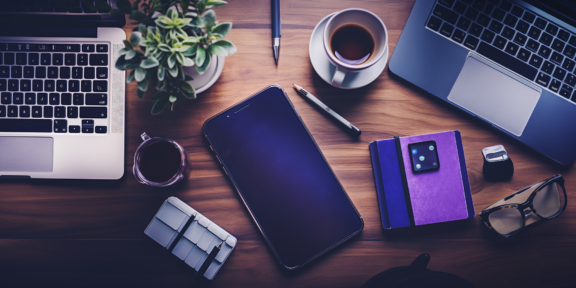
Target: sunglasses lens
x=549 y=200
x=506 y=221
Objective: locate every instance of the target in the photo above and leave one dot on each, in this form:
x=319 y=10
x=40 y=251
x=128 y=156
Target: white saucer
x=325 y=68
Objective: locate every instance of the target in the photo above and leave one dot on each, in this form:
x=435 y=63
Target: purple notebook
x=421 y=179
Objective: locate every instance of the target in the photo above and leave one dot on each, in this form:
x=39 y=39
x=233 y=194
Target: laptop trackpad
x=26 y=154
x=495 y=94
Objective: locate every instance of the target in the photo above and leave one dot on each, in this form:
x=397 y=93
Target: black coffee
x=352 y=44
x=160 y=161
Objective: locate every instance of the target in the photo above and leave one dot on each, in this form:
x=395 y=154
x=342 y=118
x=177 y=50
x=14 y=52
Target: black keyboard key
x=566 y=91
x=89 y=73
x=73 y=85
x=9 y=58
x=517 y=11
x=532 y=45
x=59 y=112
x=569 y=51
x=520 y=39
x=483 y=20
x=12 y=112
x=498 y=14
x=548 y=67
x=506 y=5
x=45 y=59
x=30 y=98
x=24 y=111
x=102 y=72
x=479 y=4
x=460 y=7
x=72 y=112
x=101 y=48
x=559 y=73
x=60 y=126
x=70 y=59
x=40 y=72
x=463 y=23
x=13 y=85
x=555 y=85
x=543 y=79
x=496 y=26
x=96 y=99
x=471 y=42
x=510 y=20
x=82 y=59
x=25 y=85
x=557 y=58
x=471 y=13
x=102 y=59
x=78 y=99
x=447 y=3
x=563 y=35
x=61 y=86
x=458 y=36
x=446 y=30
x=558 y=45
x=37 y=111
x=28 y=72
x=65 y=72
x=524 y=55
x=48 y=112
x=540 y=23
x=74 y=129
x=2 y=111
x=88 y=129
x=77 y=73
x=489 y=8
x=93 y=112
x=534 y=32
x=42 y=98
x=57 y=59
x=88 y=48
x=3 y=85
x=570 y=80
x=52 y=72
x=572 y=40
x=87 y=122
x=544 y=52
x=25 y=125
x=86 y=86
x=507 y=61
x=546 y=38
x=522 y=26
x=6 y=98
x=66 y=99
x=1 y=57
x=21 y=59
x=528 y=17
x=552 y=29
x=100 y=86
x=18 y=98
x=475 y=30
x=100 y=129
x=67 y=47
x=4 y=72
x=54 y=99
x=487 y=36
x=16 y=72
x=568 y=64
x=508 y=33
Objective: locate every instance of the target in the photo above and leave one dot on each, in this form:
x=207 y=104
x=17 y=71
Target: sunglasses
x=539 y=202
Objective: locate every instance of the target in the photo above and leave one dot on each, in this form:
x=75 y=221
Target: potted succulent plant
x=172 y=37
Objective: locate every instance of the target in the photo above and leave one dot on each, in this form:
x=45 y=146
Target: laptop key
x=566 y=91
x=66 y=99
x=24 y=111
x=463 y=23
x=9 y=58
x=483 y=20
x=471 y=13
x=459 y=36
x=507 y=61
x=568 y=65
x=101 y=48
x=13 y=85
x=100 y=86
x=548 y=67
x=557 y=58
x=28 y=72
x=88 y=48
x=74 y=129
x=21 y=59
x=488 y=9
x=60 y=126
x=508 y=33
x=546 y=38
x=82 y=59
x=3 y=85
x=12 y=112
x=74 y=86
x=65 y=72
x=30 y=98
x=100 y=129
x=517 y=11
x=498 y=14
x=86 y=86
x=25 y=125
x=568 y=51
x=475 y=30
x=40 y=72
x=552 y=29
x=59 y=112
x=89 y=72
x=61 y=86
x=77 y=73
x=87 y=129
x=543 y=79
x=6 y=98
x=510 y=20
x=563 y=35
x=520 y=39
x=4 y=72
x=532 y=45
x=544 y=52
x=555 y=85
x=570 y=80
x=42 y=98
x=540 y=23
x=512 y=48
x=446 y=30
x=96 y=99
x=93 y=112
x=37 y=85
x=48 y=112
x=522 y=26
x=25 y=85
x=2 y=111
x=534 y=32
x=70 y=59
x=45 y=59
x=471 y=42
x=57 y=59
x=558 y=45
x=460 y=7
x=559 y=73
x=54 y=99
x=18 y=98
x=487 y=36
x=78 y=99
x=52 y=72
x=72 y=112
x=479 y=4
x=16 y=72
x=524 y=55
x=37 y=111
x=102 y=72
x=447 y=3
x=528 y=17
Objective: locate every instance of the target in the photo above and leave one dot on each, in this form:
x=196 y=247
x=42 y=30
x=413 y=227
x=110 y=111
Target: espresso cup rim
x=336 y=61
x=137 y=155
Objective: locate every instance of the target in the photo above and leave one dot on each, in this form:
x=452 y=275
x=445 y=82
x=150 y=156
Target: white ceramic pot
x=202 y=82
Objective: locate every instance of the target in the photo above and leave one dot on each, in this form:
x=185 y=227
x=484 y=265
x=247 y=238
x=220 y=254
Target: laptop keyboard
x=54 y=88
x=513 y=37
x=62 y=6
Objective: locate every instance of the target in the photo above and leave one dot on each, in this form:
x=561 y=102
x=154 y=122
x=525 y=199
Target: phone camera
x=414 y=151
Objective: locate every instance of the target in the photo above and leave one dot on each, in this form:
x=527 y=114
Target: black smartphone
x=424 y=156
x=282 y=177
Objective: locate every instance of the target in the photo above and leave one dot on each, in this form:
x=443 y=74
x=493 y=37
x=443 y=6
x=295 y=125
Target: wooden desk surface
x=90 y=233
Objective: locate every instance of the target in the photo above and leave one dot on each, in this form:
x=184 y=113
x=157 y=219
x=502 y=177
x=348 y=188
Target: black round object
x=416 y=275
x=498 y=171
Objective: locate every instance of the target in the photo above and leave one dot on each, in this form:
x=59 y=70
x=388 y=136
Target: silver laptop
x=61 y=99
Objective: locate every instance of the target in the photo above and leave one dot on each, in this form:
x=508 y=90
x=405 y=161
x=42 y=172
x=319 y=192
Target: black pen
x=341 y=119
x=276 y=29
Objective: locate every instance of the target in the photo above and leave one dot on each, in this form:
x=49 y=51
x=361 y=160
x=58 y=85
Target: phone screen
x=284 y=180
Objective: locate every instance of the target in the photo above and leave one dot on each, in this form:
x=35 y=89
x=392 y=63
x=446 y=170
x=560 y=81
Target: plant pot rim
x=215 y=74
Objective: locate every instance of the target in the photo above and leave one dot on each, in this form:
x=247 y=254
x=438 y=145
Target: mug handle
x=338 y=77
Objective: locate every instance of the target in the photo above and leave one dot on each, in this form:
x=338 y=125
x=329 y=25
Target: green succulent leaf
x=135 y=38
x=142 y=28
x=188 y=62
x=218 y=50
x=171 y=61
x=140 y=93
x=160 y=105
x=191 y=51
x=140 y=75
x=123 y=64
x=124 y=6
x=222 y=28
x=200 y=56
x=143 y=86
x=137 y=15
x=164 y=47
x=130 y=77
x=209 y=18
x=180 y=58
x=127 y=45
x=202 y=68
x=188 y=78
x=227 y=45
x=161 y=73
x=216 y=3
x=173 y=71
x=160 y=95
x=123 y=51
x=130 y=54
x=149 y=62
x=188 y=90
x=172 y=98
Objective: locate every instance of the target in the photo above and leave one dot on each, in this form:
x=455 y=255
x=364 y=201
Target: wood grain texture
x=90 y=233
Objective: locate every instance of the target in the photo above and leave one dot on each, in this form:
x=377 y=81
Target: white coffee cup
x=368 y=21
